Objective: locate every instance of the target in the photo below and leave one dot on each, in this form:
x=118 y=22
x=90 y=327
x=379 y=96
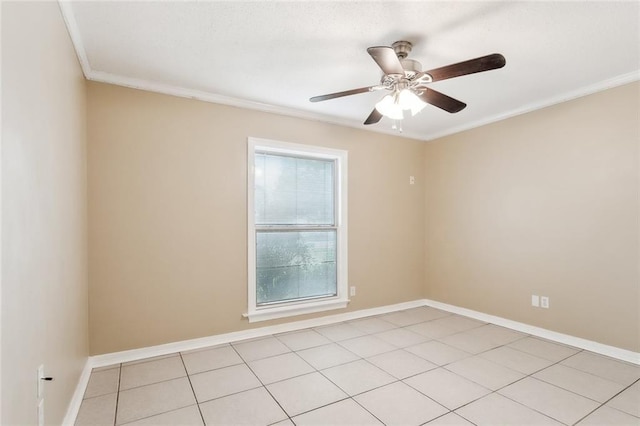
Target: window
x=297 y=217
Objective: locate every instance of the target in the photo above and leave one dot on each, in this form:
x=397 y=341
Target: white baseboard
x=76 y=399
x=600 y=348
x=187 y=345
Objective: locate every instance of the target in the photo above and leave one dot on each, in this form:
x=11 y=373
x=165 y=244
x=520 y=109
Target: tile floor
x=418 y=366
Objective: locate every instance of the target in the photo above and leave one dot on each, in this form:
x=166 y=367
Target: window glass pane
x=293 y=191
x=294 y=265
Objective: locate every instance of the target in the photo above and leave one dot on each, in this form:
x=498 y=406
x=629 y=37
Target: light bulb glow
x=409 y=100
x=393 y=105
x=390 y=108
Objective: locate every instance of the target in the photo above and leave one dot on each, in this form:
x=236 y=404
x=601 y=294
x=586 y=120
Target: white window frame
x=298 y=307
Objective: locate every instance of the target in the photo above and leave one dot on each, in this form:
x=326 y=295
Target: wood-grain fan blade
x=386 y=59
x=345 y=93
x=472 y=66
x=374 y=117
x=442 y=101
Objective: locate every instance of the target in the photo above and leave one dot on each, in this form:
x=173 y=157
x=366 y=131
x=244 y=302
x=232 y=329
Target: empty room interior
x=320 y=213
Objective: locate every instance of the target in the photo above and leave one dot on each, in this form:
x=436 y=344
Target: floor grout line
x=195 y=397
x=395 y=347
x=115 y=415
x=263 y=385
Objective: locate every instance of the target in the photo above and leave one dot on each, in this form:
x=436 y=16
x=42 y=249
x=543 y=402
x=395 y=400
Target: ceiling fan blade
x=472 y=66
x=373 y=118
x=442 y=101
x=345 y=93
x=386 y=59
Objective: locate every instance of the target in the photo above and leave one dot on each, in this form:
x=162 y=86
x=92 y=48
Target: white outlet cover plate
x=535 y=300
x=544 y=302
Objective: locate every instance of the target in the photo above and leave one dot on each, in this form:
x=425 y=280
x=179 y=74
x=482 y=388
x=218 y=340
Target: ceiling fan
x=407 y=82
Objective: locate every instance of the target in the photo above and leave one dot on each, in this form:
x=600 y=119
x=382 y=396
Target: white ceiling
x=275 y=55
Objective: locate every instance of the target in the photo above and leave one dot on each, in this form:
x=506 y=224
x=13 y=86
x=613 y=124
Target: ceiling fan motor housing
x=402 y=48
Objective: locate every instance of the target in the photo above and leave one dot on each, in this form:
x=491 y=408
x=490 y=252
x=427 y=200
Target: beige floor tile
x=327 y=356
x=495 y=409
x=427 y=313
x=280 y=367
x=343 y=413
x=304 y=339
x=579 y=382
x=628 y=401
x=459 y=322
x=496 y=334
x=187 y=416
x=146 y=373
x=98 y=411
x=146 y=401
x=223 y=381
x=261 y=348
x=557 y=403
x=305 y=393
x=210 y=359
x=432 y=329
x=516 y=360
x=357 y=377
x=401 y=318
x=468 y=342
x=438 y=352
x=399 y=404
x=103 y=382
x=451 y=419
x=544 y=349
x=605 y=367
x=372 y=325
x=401 y=364
x=339 y=332
x=484 y=372
x=401 y=337
x=252 y=407
x=447 y=388
x=605 y=416
x=367 y=346
x=284 y=423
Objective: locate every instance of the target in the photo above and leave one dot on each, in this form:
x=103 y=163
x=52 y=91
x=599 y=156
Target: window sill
x=297 y=309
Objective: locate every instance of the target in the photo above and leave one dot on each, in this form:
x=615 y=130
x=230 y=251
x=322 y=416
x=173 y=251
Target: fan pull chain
x=397 y=125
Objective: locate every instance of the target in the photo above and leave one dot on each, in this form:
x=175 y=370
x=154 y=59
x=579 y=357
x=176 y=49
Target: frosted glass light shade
x=409 y=100
x=389 y=108
x=392 y=106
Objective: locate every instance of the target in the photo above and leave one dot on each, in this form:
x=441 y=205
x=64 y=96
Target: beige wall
x=44 y=221
x=544 y=203
x=168 y=220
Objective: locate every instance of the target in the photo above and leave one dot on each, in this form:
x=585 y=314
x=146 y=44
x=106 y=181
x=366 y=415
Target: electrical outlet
x=535 y=300
x=544 y=302
x=412 y=180
x=352 y=290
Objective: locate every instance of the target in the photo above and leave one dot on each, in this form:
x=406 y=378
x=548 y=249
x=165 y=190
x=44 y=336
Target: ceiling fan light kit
x=406 y=81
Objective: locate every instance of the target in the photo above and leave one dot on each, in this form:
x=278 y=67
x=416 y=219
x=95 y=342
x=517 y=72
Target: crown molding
x=565 y=97
x=141 y=84
x=74 y=33
x=201 y=95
